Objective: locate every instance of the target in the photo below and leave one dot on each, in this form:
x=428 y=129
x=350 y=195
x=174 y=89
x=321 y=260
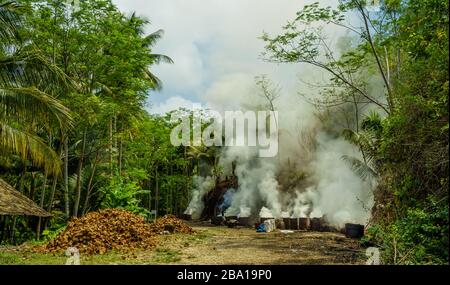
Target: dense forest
x=75 y=135
x=74 y=89
x=405 y=45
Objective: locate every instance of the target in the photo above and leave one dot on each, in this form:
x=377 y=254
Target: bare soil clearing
x=219 y=245
x=222 y=245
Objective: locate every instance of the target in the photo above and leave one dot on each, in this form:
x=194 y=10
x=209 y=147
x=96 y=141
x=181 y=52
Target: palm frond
x=31 y=104
x=153 y=79
x=10 y=21
x=29 y=146
x=160 y=58
x=365 y=140
x=351 y=136
x=31 y=68
x=372 y=122
x=150 y=40
x=137 y=23
x=361 y=169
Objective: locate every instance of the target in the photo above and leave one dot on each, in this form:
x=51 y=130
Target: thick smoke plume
x=201 y=186
x=308 y=177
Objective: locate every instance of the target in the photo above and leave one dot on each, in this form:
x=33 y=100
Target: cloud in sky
x=213 y=42
x=172 y=103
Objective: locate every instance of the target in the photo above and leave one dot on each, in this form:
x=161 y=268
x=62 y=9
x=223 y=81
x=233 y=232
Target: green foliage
x=367 y=141
x=123 y=195
x=406 y=44
x=27 y=78
x=107 y=55
x=48 y=234
x=19 y=231
x=418 y=237
x=56 y=224
x=97 y=62
x=9 y=259
x=303 y=41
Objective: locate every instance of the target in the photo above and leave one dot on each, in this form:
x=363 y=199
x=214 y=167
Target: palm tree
x=148 y=42
x=367 y=142
x=25 y=76
x=210 y=155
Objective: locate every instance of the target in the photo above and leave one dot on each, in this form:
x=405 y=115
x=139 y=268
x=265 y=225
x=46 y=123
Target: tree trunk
x=3 y=223
x=78 y=184
x=149 y=195
x=66 y=176
x=89 y=186
x=120 y=158
x=110 y=146
x=51 y=198
x=388 y=69
x=172 y=200
x=115 y=132
x=13 y=229
x=377 y=58
x=53 y=191
x=157 y=192
x=41 y=204
x=32 y=186
x=355 y=104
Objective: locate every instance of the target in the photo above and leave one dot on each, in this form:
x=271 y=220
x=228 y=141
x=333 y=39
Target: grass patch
x=8 y=259
x=199 y=236
x=165 y=255
x=28 y=258
x=32 y=258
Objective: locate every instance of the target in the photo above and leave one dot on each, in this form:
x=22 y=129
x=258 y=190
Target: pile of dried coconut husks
x=170 y=224
x=112 y=229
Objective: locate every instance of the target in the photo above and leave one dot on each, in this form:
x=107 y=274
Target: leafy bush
x=50 y=234
x=56 y=225
x=420 y=236
x=123 y=195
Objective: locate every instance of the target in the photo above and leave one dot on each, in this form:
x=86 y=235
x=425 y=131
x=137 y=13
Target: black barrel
x=229 y=218
x=287 y=223
x=244 y=221
x=303 y=223
x=354 y=230
x=294 y=224
x=316 y=224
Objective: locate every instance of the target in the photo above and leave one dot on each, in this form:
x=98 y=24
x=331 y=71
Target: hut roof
x=14 y=203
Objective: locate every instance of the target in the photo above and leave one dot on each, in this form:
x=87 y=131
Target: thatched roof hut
x=14 y=203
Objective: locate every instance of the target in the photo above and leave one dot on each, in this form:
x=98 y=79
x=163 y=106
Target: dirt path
x=218 y=245
x=221 y=245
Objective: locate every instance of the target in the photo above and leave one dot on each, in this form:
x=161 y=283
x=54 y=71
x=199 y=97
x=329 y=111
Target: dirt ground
x=245 y=246
x=219 y=245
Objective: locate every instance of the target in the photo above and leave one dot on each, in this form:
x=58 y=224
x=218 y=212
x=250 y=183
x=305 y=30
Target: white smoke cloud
x=333 y=189
x=201 y=186
x=303 y=203
x=343 y=196
x=215 y=47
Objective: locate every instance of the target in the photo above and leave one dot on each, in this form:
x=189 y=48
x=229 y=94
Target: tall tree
x=25 y=76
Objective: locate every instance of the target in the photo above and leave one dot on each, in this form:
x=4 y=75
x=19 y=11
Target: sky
x=215 y=48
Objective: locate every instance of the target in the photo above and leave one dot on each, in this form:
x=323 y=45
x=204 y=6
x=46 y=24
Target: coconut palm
x=148 y=42
x=25 y=106
x=210 y=155
x=367 y=141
